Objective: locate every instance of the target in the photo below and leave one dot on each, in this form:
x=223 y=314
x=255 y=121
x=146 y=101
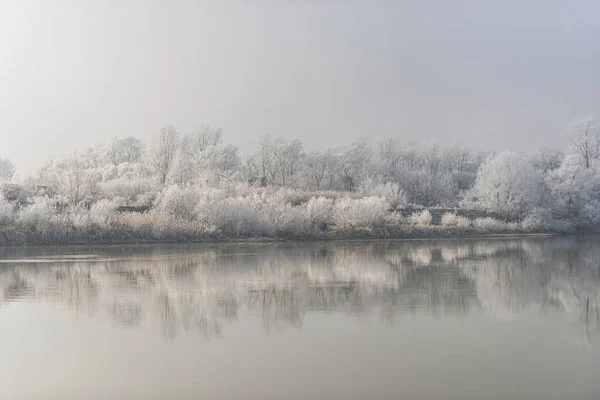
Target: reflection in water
x=203 y=288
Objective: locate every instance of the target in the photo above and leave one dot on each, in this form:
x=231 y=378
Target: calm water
x=461 y=319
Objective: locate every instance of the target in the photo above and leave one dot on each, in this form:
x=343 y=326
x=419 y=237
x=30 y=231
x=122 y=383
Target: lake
x=506 y=318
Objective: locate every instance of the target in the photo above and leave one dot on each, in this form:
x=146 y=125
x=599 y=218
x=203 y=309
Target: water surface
x=450 y=319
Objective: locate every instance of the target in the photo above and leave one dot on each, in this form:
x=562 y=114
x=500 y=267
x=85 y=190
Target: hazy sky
x=506 y=74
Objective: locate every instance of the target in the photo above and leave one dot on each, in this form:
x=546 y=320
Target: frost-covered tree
x=277 y=159
x=572 y=186
x=7 y=169
x=204 y=137
x=70 y=178
x=432 y=158
x=389 y=157
x=354 y=163
x=162 y=151
x=122 y=150
x=203 y=155
x=506 y=184
x=318 y=170
x=458 y=158
x=288 y=154
x=584 y=137
x=547 y=159
x=262 y=162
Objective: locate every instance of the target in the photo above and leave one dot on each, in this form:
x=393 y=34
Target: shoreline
x=18 y=238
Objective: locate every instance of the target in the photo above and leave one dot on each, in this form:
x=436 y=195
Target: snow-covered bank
x=198 y=188
x=197 y=213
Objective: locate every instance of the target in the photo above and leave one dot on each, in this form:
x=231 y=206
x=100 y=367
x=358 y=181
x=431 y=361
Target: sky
x=494 y=75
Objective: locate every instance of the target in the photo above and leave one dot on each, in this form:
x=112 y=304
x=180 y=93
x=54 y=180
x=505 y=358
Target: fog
x=496 y=76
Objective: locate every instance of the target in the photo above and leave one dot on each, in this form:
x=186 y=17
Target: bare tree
x=121 y=150
x=287 y=154
x=317 y=166
x=458 y=158
x=162 y=151
x=584 y=137
x=353 y=162
x=265 y=159
x=206 y=136
x=277 y=159
x=432 y=157
x=390 y=155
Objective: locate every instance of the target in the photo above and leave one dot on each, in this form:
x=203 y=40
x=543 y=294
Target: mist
x=495 y=76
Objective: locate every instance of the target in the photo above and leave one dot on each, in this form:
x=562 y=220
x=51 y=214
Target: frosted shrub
x=104 y=212
x=263 y=213
x=231 y=216
x=367 y=212
x=296 y=197
x=318 y=212
x=7 y=214
x=78 y=217
x=538 y=219
x=38 y=215
x=147 y=198
x=283 y=219
x=455 y=220
x=421 y=218
x=241 y=189
x=590 y=215
x=394 y=219
x=276 y=215
x=178 y=203
x=131 y=191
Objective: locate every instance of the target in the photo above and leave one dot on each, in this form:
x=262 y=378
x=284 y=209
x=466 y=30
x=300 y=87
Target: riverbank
x=20 y=237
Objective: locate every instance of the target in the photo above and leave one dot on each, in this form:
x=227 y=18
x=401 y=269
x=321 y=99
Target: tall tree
x=121 y=150
x=584 y=137
x=162 y=151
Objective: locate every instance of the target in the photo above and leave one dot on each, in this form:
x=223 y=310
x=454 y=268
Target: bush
x=590 y=215
x=538 y=219
x=38 y=215
x=455 y=220
x=178 y=203
x=231 y=216
x=421 y=218
x=318 y=212
x=542 y=220
x=367 y=212
x=104 y=212
x=130 y=191
x=394 y=218
x=263 y=213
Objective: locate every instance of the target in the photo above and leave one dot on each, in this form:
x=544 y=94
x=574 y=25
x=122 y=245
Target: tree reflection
x=201 y=289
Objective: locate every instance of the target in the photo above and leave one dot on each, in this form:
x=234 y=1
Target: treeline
x=199 y=183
